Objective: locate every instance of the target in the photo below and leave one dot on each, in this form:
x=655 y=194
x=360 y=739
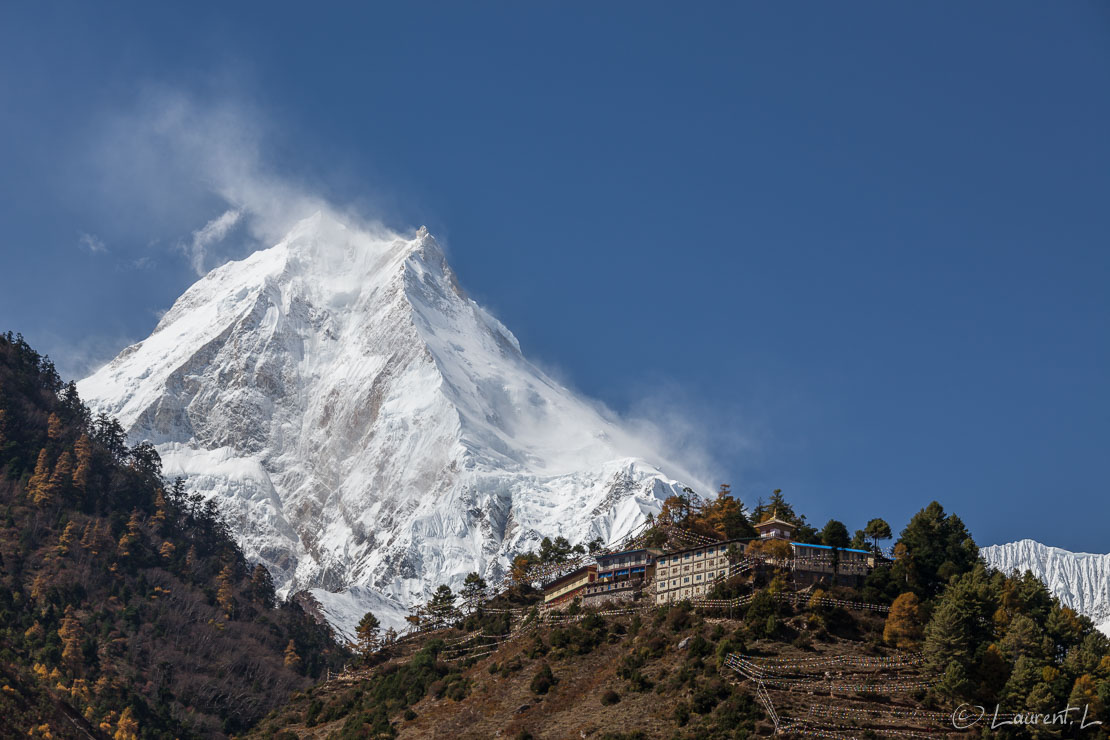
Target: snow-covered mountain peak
x=1080 y=580
x=363 y=422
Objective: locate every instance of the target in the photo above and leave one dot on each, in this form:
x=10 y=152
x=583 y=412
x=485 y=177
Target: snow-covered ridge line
x=363 y=423
x=1080 y=580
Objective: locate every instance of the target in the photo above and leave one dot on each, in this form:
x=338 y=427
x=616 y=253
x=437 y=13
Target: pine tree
x=946 y=637
x=225 y=590
x=878 y=529
x=933 y=548
x=954 y=683
x=133 y=534
x=442 y=605
x=368 y=641
x=904 y=628
x=159 y=517
x=1027 y=673
x=835 y=534
x=83 y=453
x=726 y=516
x=1023 y=637
x=38 y=484
x=71 y=635
x=262 y=584
x=1085 y=694
x=779 y=507
x=54 y=428
x=291 y=658
x=62 y=476
x=473 y=591
x=68 y=537
x=88 y=538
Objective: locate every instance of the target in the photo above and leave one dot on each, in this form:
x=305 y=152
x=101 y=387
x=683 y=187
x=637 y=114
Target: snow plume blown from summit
x=364 y=423
x=198 y=178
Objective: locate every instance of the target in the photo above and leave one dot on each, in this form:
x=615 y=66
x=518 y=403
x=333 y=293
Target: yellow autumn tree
x=71 y=635
x=159 y=517
x=131 y=537
x=40 y=479
x=92 y=538
x=127 y=728
x=63 y=473
x=291 y=658
x=167 y=549
x=39 y=586
x=54 y=428
x=225 y=590
x=1084 y=694
x=68 y=537
x=521 y=569
x=904 y=627
x=83 y=452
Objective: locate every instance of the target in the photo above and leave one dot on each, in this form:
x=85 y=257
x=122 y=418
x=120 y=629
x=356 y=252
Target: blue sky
x=860 y=250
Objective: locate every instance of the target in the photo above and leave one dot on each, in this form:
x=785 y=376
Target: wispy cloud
x=92 y=244
x=199 y=168
x=211 y=233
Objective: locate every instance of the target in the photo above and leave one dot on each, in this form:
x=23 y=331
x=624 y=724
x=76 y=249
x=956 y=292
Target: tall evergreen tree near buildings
x=835 y=534
x=933 y=547
x=876 y=530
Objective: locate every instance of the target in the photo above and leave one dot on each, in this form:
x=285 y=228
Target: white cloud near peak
x=211 y=233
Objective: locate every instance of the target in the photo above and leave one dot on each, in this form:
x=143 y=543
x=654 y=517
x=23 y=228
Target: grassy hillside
x=126 y=610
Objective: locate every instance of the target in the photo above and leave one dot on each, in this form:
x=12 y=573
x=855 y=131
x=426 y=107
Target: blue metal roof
x=827 y=547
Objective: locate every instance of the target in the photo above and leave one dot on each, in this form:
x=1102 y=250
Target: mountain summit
x=364 y=423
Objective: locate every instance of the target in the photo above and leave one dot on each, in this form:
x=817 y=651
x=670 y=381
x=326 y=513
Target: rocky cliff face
x=1079 y=580
x=362 y=422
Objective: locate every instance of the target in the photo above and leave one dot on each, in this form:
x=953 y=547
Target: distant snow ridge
x=362 y=422
x=1080 y=580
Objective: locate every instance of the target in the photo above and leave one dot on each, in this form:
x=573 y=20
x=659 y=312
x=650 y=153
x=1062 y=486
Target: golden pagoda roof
x=775 y=520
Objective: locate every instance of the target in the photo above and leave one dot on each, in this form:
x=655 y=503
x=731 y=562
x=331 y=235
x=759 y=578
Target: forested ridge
x=126 y=609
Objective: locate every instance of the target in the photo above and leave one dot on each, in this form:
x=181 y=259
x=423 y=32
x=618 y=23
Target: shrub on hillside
x=543 y=680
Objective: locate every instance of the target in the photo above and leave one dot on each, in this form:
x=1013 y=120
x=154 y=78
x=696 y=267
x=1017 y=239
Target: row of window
x=722 y=549
x=696 y=566
x=687 y=579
